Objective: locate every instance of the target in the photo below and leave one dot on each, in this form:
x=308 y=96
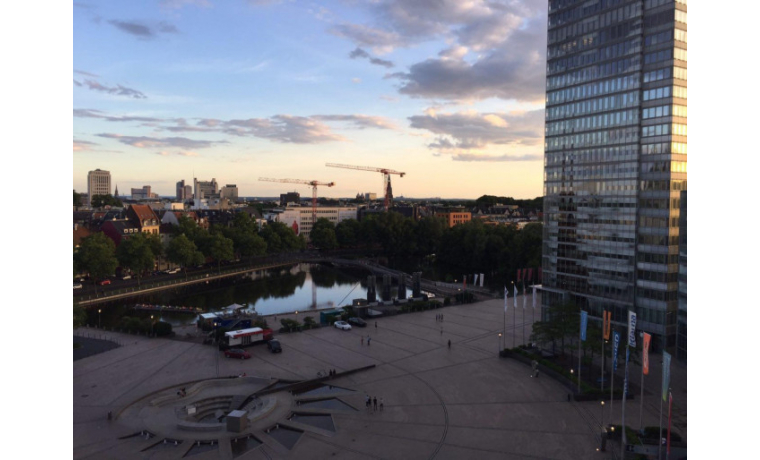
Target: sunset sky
x=449 y=92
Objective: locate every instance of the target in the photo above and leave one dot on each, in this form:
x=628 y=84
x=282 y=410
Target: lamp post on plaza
x=151 y=325
x=499 y=344
x=99 y=318
x=602 y=404
x=603 y=432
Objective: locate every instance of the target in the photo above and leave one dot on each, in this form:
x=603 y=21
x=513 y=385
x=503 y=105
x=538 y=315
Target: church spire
x=116 y=192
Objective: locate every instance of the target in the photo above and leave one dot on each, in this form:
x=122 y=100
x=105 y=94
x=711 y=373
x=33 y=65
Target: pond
x=301 y=287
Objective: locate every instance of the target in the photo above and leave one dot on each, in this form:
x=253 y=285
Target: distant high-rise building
x=143 y=193
x=229 y=191
x=615 y=159
x=204 y=189
x=290 y=197
x=98 y=183
x=182 y=191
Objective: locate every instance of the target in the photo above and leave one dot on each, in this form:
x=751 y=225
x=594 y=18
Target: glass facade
x=615 y=158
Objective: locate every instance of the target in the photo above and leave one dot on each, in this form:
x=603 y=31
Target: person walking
x=368 y=339
x=441 y=331
x=374 y=400
x=362 y=340
x=449 y=344
x=375 y=326
x=366 y=401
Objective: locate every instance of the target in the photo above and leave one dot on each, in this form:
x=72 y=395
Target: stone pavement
x=439 y=403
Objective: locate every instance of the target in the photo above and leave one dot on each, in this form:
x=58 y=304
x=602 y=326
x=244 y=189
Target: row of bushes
x=586 y=389
x=132 y=325
x=291 y=325
x=419 y=306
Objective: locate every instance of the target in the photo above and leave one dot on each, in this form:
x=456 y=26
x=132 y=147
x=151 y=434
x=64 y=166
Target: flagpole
x=504 y=343
x=622 y=417
x=659 y=440
x=514 y=323
x=580 y=340
x=523 y=320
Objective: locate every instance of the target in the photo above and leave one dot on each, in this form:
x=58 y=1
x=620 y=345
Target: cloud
x=179 y=4
x=468 y=134
x=495 y=48
x=381 y=41
x=161 y=142
x=278 y=128
x=141 y=30
x=360 y=121
x=356 y=80
x=515 y=70
x=497 y=158
x=283 y=128
x=80 y=146
x=180 y=153
x=118 y=90
x=360 y=53
x=92 y=113
x=88 y=74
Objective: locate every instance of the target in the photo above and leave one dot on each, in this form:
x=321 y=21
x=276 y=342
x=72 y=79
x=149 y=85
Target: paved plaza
x=457 y=403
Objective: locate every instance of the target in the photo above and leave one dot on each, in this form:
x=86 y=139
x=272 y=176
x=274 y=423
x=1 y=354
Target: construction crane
x=313 y=184
x=387 y=191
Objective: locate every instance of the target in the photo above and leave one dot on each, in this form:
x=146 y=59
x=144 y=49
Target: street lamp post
x=603 y=431
x=499 y=344
x=514 y=322
x=99 y=318
x=602 y=415
x=151 y=325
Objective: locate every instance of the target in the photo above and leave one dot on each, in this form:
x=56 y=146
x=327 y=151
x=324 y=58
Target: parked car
x=77 y=285
x=105 y=282
x=126 y=277
x=357 y=322
x=274 y=346
x=343 y=325
x=236 y=353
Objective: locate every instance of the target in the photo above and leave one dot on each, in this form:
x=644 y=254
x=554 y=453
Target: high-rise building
x=229 y=191
x=98 y=183
x=180 y=189
x=205 y=189
x=615 y=158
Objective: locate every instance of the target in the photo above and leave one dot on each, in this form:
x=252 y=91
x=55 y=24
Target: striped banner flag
x=515 y=299
x=505 y=298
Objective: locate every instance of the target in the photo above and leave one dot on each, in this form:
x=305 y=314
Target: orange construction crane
x=313 y=184
x=387 y=191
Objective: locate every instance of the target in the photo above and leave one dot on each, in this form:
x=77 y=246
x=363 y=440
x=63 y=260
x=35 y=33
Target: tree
x=77 y=199
x=80 y=315
x=98 y=201
x=135 y=254
x=563 y=322
x=348 y=233
x=219 y=248
x=279 y=237
x=429 y=233
x=323 y=234
x=97 y=255
x=183 y=252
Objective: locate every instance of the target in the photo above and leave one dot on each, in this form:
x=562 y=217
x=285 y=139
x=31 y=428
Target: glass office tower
x=615 y=158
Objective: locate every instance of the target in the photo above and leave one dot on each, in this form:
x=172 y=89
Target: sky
x=450 y=92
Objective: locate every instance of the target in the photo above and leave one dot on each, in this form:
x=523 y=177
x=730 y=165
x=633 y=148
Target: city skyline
x=451 y=94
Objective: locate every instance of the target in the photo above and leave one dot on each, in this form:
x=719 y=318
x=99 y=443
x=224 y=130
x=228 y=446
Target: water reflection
x=302 y=287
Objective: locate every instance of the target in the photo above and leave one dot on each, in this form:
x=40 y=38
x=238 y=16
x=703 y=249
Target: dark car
x=357 y=322
x=274 y=346
x=105 y=282
x=236 y=353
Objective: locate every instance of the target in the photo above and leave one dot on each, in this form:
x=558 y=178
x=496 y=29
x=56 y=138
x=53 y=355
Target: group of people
x=372 y=402
x=534 y=365
x=369 y=339
x=439 y=318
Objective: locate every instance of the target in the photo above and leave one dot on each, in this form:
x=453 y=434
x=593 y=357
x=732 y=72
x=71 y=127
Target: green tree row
x=473 y=247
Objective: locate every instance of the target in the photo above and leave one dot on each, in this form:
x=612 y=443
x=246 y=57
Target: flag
x=647 y=338
x=482 y=278
x=665 y=374
x=525 y=298
x=584 y=323
x=515 y=299
x=607 y=315
x=631 y=328
x=534 y=297
x=505 y=299
x=475 y=280
x=530 y=275
x=615 y=345
x=519 y=273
